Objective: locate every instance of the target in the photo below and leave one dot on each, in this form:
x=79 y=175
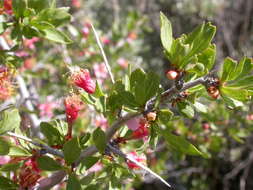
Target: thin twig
x=103 y=53
x=45 y=147
x=120 y=153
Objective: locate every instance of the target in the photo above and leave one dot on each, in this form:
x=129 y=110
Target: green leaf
x=152 y=83
x=38 y=5
x=235 y=93
x=4 y=147
x=88 y=162
x=127 y=98
x=73 y=183
x=166 y=32
x=51 y=133
x=49 y=32
x=200 y=107
x=84 y=139
x=185 y=109
x=54 y=16
x=238 y=70
x=245 y=82
x=10 y=167
x=178 y=143
x=99 y=139
x=200 y=38
x=48 y=164
x=247 y=67
x=136 y=78
x=207 y=57
x=98 y=91
x=165 y=115
x=10 y=120
x=86 y=180
x=7 y=184
x=71 y=151
x=19 y=7
x=17 y=151
x=229 y=67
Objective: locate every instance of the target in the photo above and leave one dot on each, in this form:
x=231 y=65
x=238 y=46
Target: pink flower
x=133 y=124
x=86 y=31
x=101 y=121
x=72 y=107
x=100 y=71
x=142 y=130
x=21 y=53
x=249 y=117
x=133 y=155
x=76 y=3
x=6 y=89
x=105 y=40
x=30 y=42
x=122 y=62
x=46 y=109
x=4 y=160
x=82 y=79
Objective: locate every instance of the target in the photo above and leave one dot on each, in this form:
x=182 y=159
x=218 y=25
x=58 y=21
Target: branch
x=103 y=53
x=45 y=147
x=120 y=153
x=24 y=93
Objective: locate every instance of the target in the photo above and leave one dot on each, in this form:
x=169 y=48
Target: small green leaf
x=98 y=91
x=4 y=147
x=51 y=133
x=99 y=139
x=229 y=67
x=137 y=77
x=84 y=139
x=166 y=32
x=48 y=164
x=127 y=98
x=238 y=70
x=71 y=151
x=7 y=184
x=245 y=82
x=10 y=120
x=235 y=93
x=200 y=107
x=185 y=109
x=86 y=180
x=232 y=103
x=165 y=115
x=10 y=167
x=73 y=183
x=247 y=67
x=17 y=151
x=152 y=83
x=38 y=5
x=49 y=32
x=54 y=16
x=19 y=7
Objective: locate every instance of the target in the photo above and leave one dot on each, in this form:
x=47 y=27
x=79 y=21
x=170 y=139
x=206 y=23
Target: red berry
x=172 y=74
x=205 y=126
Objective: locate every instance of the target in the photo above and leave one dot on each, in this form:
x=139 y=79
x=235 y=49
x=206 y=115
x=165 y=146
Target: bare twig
x=103 y=53
x=45 y=147
x=120 y=153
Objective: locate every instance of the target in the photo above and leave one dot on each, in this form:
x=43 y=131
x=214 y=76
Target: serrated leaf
x=152 y=83
x=10 y=120
x=17 y=151
x=127 y=98
x=71 y=151
x=98 y=91
x=235 y=93
x=99 y=139
x=238 y=70
x=48 y=164
x=51 y=133
x=54 y=16
x=245 y=82
x=4 y=147
x=73 y=183
x=166 y=32
x=229 y=67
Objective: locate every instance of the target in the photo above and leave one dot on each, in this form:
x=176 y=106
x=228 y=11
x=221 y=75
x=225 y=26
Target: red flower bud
x=82 y=79
x=8 y=6
x=172 y=74
x=142 y=130
x=213 y=92
x=72 y=107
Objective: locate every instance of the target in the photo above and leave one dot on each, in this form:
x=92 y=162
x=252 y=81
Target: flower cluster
x=6 y=86
x=72 y=107
x=142 y=159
